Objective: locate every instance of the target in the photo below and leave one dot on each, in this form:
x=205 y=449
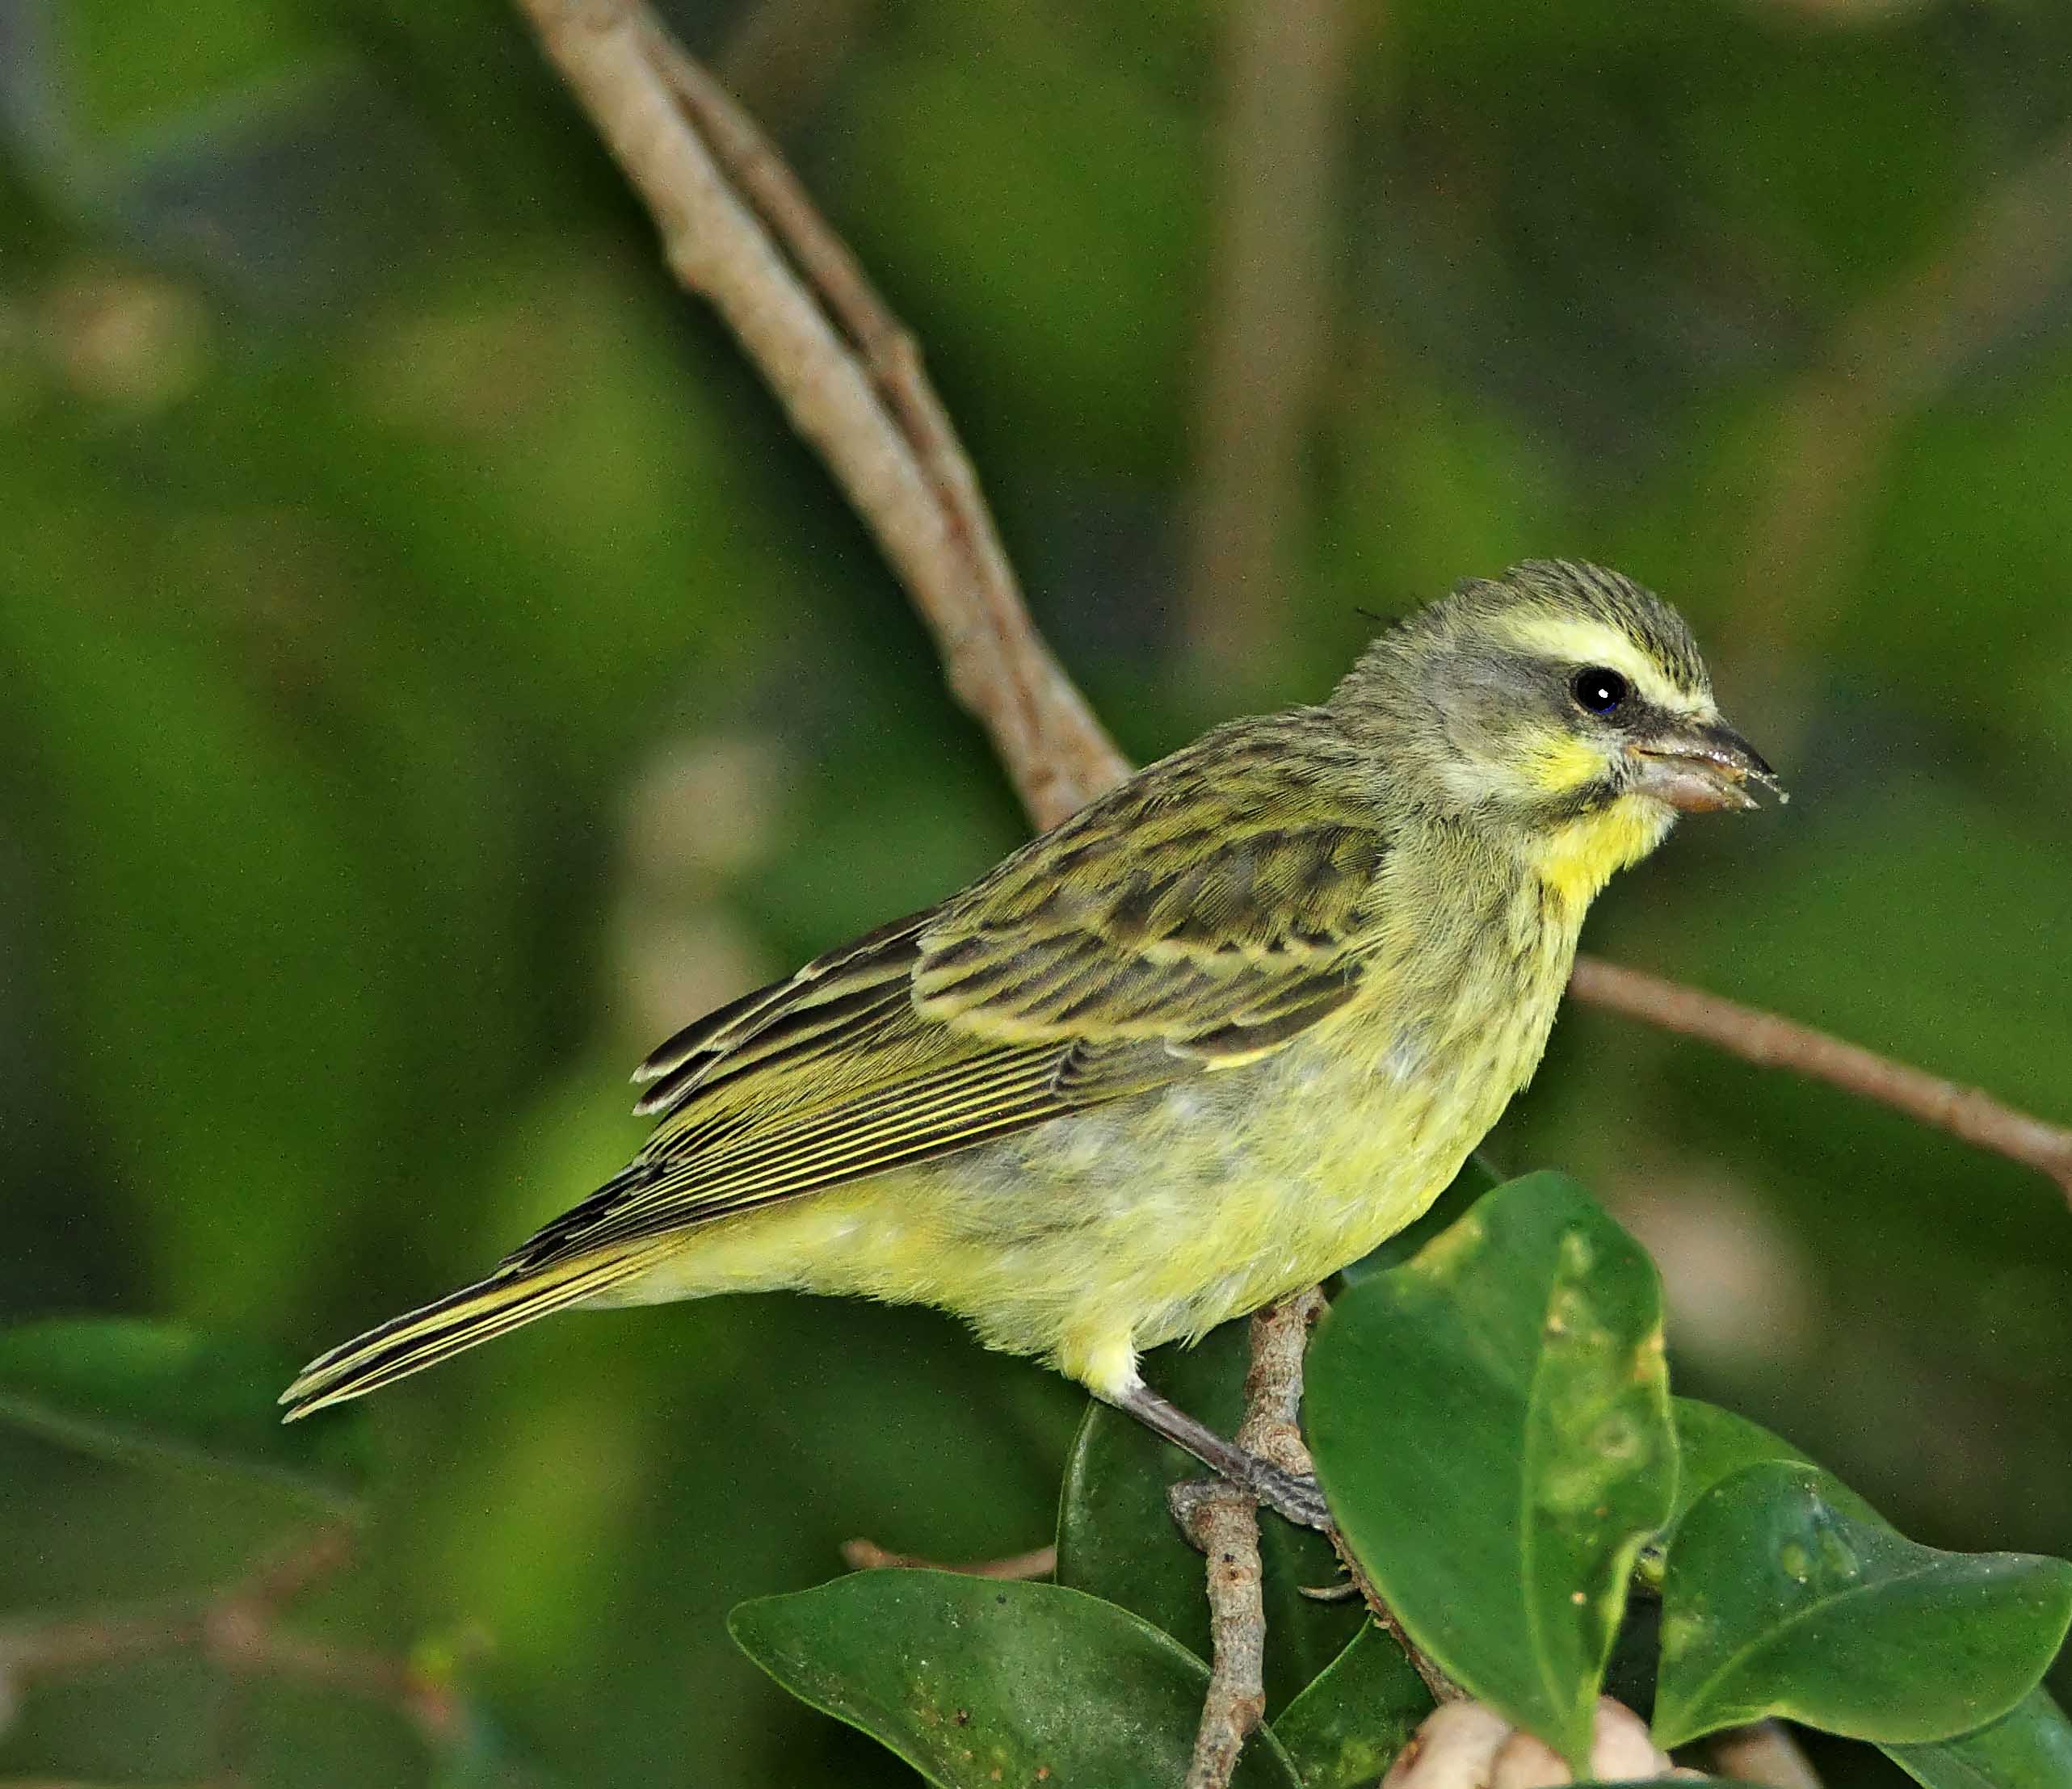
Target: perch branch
x=737 y=227
x=1224 y=1523
x=1443 y=1688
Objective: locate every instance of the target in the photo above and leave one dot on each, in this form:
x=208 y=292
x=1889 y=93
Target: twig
x=738 y=228
x=1224 y=1522
x=1770 y=1041
x=1283 y=75
x=237 y=1629
x=1893 y=354
x=857 y=392
x=867 y=1555
x=1443 y=1688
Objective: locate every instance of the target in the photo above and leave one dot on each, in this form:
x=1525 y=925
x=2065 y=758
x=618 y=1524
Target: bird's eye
x=1598 y=690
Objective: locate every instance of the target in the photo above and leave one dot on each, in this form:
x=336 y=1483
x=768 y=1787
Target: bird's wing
x=1199 y=916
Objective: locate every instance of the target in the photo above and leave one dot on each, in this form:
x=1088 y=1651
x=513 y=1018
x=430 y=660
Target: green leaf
x=1713 y=1444
x=976 y=1683
x=2029 y=1748
x=1787 y=1595
x=1490 y=1420
x=1344 y=1730
x=133 y=1389
x=1117 y=1540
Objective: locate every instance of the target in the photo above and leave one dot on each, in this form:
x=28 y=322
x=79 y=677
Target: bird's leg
x=1296 y=1498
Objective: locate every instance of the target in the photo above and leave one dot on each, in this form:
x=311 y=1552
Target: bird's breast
x=1168 y=1212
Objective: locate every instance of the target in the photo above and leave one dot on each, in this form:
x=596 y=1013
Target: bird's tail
x=421 y=1339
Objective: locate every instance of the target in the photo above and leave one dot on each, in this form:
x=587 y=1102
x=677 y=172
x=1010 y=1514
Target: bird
x=1215 y=1037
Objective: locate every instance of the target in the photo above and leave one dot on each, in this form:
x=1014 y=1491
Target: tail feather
x=436 y=1332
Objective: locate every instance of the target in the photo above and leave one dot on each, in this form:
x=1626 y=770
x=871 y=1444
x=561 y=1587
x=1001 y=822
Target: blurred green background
x=432 y=673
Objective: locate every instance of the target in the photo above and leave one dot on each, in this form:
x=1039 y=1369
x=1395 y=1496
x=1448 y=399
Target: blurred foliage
x=435 y=673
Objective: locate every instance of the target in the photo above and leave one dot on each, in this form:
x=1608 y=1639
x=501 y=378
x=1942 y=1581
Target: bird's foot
x=1293 y=1496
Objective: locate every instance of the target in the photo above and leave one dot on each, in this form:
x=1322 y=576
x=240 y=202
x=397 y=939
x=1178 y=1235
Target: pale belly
x=1089 y=1238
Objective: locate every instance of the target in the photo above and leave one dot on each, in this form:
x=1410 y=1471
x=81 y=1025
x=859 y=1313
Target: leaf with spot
x=1786 y=1595
x=1712 y=1445
x=976 y=1683
x=1490 y=1420
x=154 y=1391
x=1344 y=1730
x=1117 y=1540
x=2029 y=1749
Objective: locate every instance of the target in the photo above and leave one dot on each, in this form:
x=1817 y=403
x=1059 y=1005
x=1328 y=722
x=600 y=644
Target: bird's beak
x=1702 y=767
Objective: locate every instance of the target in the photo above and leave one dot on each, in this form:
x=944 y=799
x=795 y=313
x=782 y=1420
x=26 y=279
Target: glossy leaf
x=1344 y=1730
x=976 y=1683
x=1490 y=1420
x=1713 y=1444
x=2029 y=1748
x=140 y=1390
x=1786 y=1596
x=1117 y=1540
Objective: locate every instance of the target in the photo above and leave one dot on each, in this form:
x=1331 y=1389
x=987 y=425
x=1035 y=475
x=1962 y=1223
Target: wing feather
x=1201 y=916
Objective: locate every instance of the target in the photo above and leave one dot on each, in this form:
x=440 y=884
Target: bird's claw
x=1295 y=1498
x=1292 y=1496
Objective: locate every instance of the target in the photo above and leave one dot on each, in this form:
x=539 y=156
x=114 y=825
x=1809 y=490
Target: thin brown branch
x=237 y=1629
x=1224 y=1522
x=1895 y=352
x=850 y=380
x=1054 y=748
x=738 y=229
x=1038 y=1562
x=1769 y=1041
x=1284 y=68
x=1443 y=1688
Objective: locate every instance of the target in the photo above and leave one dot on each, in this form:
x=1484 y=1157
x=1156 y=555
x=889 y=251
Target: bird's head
x=1561 y=706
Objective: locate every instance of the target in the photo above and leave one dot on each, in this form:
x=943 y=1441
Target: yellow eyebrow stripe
x=1581 y=641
